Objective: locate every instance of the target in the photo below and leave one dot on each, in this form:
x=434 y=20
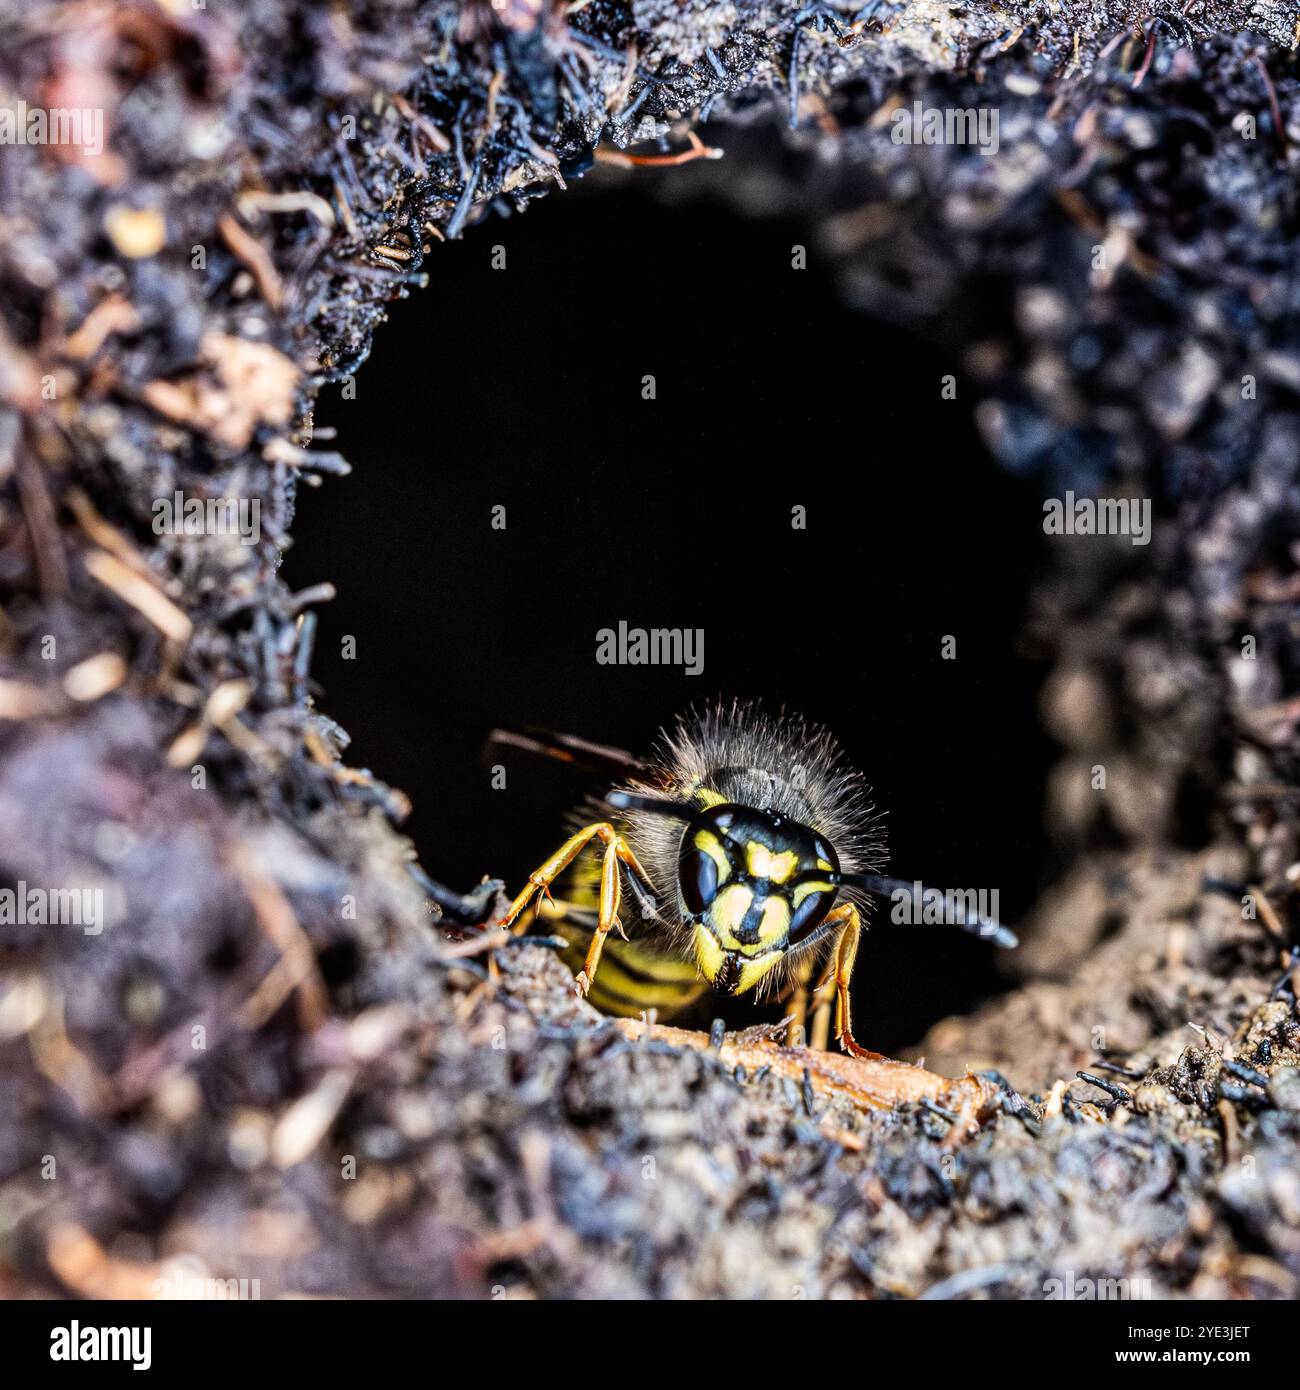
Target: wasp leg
x=820 y=1031
x=611 y=896
x=617 y=852
x=846 y=950
x=800 y=994
x=817 y=999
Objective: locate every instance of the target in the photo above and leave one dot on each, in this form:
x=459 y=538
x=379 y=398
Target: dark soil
x=272 y=1059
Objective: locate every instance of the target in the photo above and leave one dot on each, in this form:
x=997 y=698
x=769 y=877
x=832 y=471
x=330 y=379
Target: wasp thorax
x=752 y=883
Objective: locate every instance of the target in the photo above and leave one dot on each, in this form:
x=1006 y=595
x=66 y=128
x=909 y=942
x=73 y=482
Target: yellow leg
x=797 y=1013
x=611 y=895
x=846 y=951
x=617 y=851
x=816 y=999
x=820 y=1031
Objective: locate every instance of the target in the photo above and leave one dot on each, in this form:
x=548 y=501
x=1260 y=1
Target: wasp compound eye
x=708 y=858
x=698 y=876
x=811 y=906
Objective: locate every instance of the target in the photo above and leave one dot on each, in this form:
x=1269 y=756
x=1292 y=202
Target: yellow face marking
x=709 y=843
x=764 y=864
x=728 y=913
x=753 y=970
x=775 y=925
x=824 y=864
x=708 y=953
x=813 y=886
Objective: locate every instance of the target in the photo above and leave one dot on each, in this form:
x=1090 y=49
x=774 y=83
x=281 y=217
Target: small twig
x=698 y=150
x=1146 y=61
x=1279 y=129
x=141 y=594
x=38 y=511
x=256 y=257
x=1117 y=1092
x=297 y=968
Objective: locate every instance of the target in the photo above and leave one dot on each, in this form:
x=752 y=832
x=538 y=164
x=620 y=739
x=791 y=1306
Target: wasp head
x=752 y=885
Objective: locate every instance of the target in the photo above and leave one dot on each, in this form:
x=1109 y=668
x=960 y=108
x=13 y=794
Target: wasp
x=752 y=851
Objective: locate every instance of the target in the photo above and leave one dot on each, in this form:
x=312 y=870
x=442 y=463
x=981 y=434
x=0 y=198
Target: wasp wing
x=614 y=764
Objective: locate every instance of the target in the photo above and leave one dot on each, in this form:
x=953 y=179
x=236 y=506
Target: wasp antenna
x=655 y=805
x=880 y=887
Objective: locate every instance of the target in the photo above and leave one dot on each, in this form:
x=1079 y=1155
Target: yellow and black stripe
x=633 y=976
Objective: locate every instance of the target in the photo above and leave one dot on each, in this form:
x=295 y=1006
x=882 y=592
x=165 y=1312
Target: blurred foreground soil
x=272 y=1063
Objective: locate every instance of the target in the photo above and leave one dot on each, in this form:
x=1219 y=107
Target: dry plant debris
x=237 y=1070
